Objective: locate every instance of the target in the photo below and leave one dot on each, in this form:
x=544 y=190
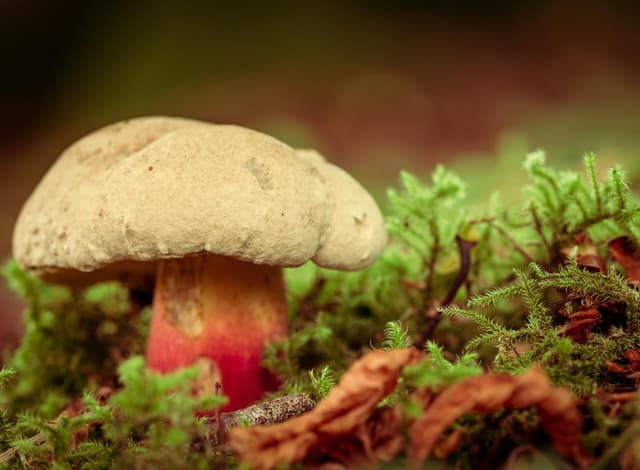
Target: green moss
x=149 y=422
x=523 y=281
x=73 y=339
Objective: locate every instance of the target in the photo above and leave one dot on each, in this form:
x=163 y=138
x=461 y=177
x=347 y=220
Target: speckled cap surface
x=153 y=188
x=354 y=235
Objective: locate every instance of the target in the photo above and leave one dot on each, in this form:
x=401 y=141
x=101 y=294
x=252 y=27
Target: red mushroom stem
x=222 y=309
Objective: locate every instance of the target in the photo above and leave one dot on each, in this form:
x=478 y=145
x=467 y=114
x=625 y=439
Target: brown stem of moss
x=464 y=249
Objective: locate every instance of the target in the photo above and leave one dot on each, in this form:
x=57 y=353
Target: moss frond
x=72 y=338
x=322 y=382
x=510 y=311
x=395 y=336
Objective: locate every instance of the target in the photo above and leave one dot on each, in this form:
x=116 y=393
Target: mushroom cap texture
x=153 y=188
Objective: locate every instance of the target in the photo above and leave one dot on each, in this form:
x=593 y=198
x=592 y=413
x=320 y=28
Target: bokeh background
x=376 y=86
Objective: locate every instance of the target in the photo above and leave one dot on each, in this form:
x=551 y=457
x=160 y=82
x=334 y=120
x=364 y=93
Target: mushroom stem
x=222 y=309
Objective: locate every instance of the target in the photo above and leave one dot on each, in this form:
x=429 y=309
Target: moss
x=524 y=280
x=74 y=339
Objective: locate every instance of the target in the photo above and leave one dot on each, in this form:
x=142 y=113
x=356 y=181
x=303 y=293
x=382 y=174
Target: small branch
x=503 y=233
x=537 y=223
x=464 y=248
x=593 y=220
x=38 y=439
x=433 y=256
x=268 y=412
x=595 y=184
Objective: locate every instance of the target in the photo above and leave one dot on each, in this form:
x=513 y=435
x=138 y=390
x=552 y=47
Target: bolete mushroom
x=212 y=213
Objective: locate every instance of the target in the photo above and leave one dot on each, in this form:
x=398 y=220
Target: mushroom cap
x=355 y=233
x=153 y=188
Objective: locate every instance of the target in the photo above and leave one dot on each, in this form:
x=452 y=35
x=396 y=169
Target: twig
x=433 y=256
x=537 y=223
x=268 y=412
x=464 y=248
x=38 y=439
x=218 y=427
x=503 y=233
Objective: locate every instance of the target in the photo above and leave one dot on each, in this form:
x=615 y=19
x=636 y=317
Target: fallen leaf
x=377 y=440
x=586 y=253
x=632 y=369
x=617 y=369
x=625 y=251
x=580 y=325
x=591 y=262
x=448 y=444
x=490 y=392
x=633 y=356
x=340 y=426
x=581 y=238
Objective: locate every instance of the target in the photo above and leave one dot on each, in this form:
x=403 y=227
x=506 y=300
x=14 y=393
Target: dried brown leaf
x=625 y=251
x=339 y=428
x=617 y=369
x=586 y=253
x=448 y=444
x=490 y=392
x=632 y=369
x=592 y=263
x=580 y=325
x=377 y=440
x=633 y=356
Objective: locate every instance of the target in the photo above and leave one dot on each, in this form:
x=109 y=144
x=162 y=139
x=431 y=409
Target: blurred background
x=376 y=86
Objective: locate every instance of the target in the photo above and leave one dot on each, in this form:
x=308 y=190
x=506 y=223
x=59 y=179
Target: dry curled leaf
x=580 y=325
x=448 y=444
x=585 y=253
x=591 y=262
x=632 y=369
x=378 y=439
x=340 y=428
x=625 y=251
x=490 y=392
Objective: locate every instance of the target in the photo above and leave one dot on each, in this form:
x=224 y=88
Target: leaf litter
x=349 y=428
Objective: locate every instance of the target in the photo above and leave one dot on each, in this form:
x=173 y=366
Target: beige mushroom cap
x=154 y=188
x=353 y=238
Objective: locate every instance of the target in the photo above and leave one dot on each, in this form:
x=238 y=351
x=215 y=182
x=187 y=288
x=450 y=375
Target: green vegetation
x=72 y=339
x=513 y=283
x=148 y=422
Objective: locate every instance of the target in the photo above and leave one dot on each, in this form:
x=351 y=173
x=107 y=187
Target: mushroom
x=212 y=213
